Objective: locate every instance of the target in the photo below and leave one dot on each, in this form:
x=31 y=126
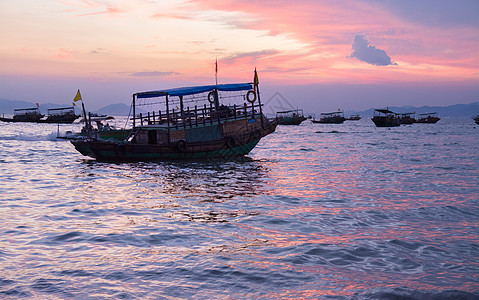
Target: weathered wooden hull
x=233 y=144
x=291 y=121
x=67 y=120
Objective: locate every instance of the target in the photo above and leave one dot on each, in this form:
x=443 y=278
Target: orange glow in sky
x=49 y=48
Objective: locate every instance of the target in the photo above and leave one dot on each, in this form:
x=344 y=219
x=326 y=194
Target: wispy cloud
x=252 y=56
x=153 y=74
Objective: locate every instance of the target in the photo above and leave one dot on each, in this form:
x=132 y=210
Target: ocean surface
x=315 y=211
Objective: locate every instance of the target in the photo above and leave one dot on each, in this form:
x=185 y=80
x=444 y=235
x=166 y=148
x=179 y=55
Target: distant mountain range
x=120 y=109
x=7 y=107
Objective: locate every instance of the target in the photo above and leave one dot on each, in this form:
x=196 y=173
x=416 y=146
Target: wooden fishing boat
x=60 y=115
x=427 y=118
x=385 y=118
x=33 y=115
x=216 y=125
x=290 y=117
x=24 y=115
x=406 y=118
x=331 y=118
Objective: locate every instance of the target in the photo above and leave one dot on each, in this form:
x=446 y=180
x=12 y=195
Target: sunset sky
x=318 y=55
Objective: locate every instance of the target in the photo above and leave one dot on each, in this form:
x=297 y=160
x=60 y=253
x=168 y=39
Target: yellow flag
x=255 y=80
x=77 y=97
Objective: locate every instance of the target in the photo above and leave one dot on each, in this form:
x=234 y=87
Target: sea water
x=344 y=211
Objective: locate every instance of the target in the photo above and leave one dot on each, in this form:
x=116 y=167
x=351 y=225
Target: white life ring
x=248 y=96
x=212 y=97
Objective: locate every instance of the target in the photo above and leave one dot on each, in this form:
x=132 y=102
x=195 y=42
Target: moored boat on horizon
x=61 y=115
x=331 y=118
x=427 y=118
x=24 y=115
x=385 y=118
x=290 y=117
x=33 y=115
x=406 y=118
x=210 y=128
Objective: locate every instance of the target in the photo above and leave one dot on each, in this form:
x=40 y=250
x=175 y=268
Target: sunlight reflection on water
x=314 y=211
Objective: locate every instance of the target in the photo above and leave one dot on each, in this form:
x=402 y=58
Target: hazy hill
x=120 y=109
x=457 y=110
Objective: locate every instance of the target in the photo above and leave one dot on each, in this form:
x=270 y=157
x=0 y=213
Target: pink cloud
x=329 y=28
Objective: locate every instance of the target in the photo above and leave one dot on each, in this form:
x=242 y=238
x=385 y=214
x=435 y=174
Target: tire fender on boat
x=120 y=150
x=251 y=100
x=181 y=145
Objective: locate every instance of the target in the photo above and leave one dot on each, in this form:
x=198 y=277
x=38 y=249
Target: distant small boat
x=101 y=131
x=354 y=117
x=385 y=118
x=33 y=115
x=61 y=115
x=25 y=115
x=406 y=118
x=476 y=119
x=427 y=118
x=290 y=117
x=331 y=118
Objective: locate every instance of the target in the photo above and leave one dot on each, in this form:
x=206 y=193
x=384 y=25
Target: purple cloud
x=369 y=54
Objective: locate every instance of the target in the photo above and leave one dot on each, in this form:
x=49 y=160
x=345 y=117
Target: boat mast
x=134 y=110
x=256 y=89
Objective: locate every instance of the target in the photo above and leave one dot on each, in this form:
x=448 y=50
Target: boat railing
x=198 y=116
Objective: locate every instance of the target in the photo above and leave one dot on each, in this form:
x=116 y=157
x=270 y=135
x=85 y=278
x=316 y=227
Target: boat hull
x=431 y=120
x=380 y=121
x=234 y=145
x=48 y=121
x=291 y=121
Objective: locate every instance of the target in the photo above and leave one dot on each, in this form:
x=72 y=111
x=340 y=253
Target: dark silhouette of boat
x=208 y=129
x=97 y=129
x=290 y=117
x=476 y=119
x=24 y=115
x=406 y=118
x=385 y=118
x=61 y=115
x=33 y=115
x=331 y=118
x=427 y=118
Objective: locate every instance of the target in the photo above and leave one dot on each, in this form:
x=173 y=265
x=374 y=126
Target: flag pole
x=256 y=88
x=216 y=71
x=87 y=124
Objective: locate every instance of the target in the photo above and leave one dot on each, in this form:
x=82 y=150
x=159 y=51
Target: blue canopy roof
x=183 y=91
